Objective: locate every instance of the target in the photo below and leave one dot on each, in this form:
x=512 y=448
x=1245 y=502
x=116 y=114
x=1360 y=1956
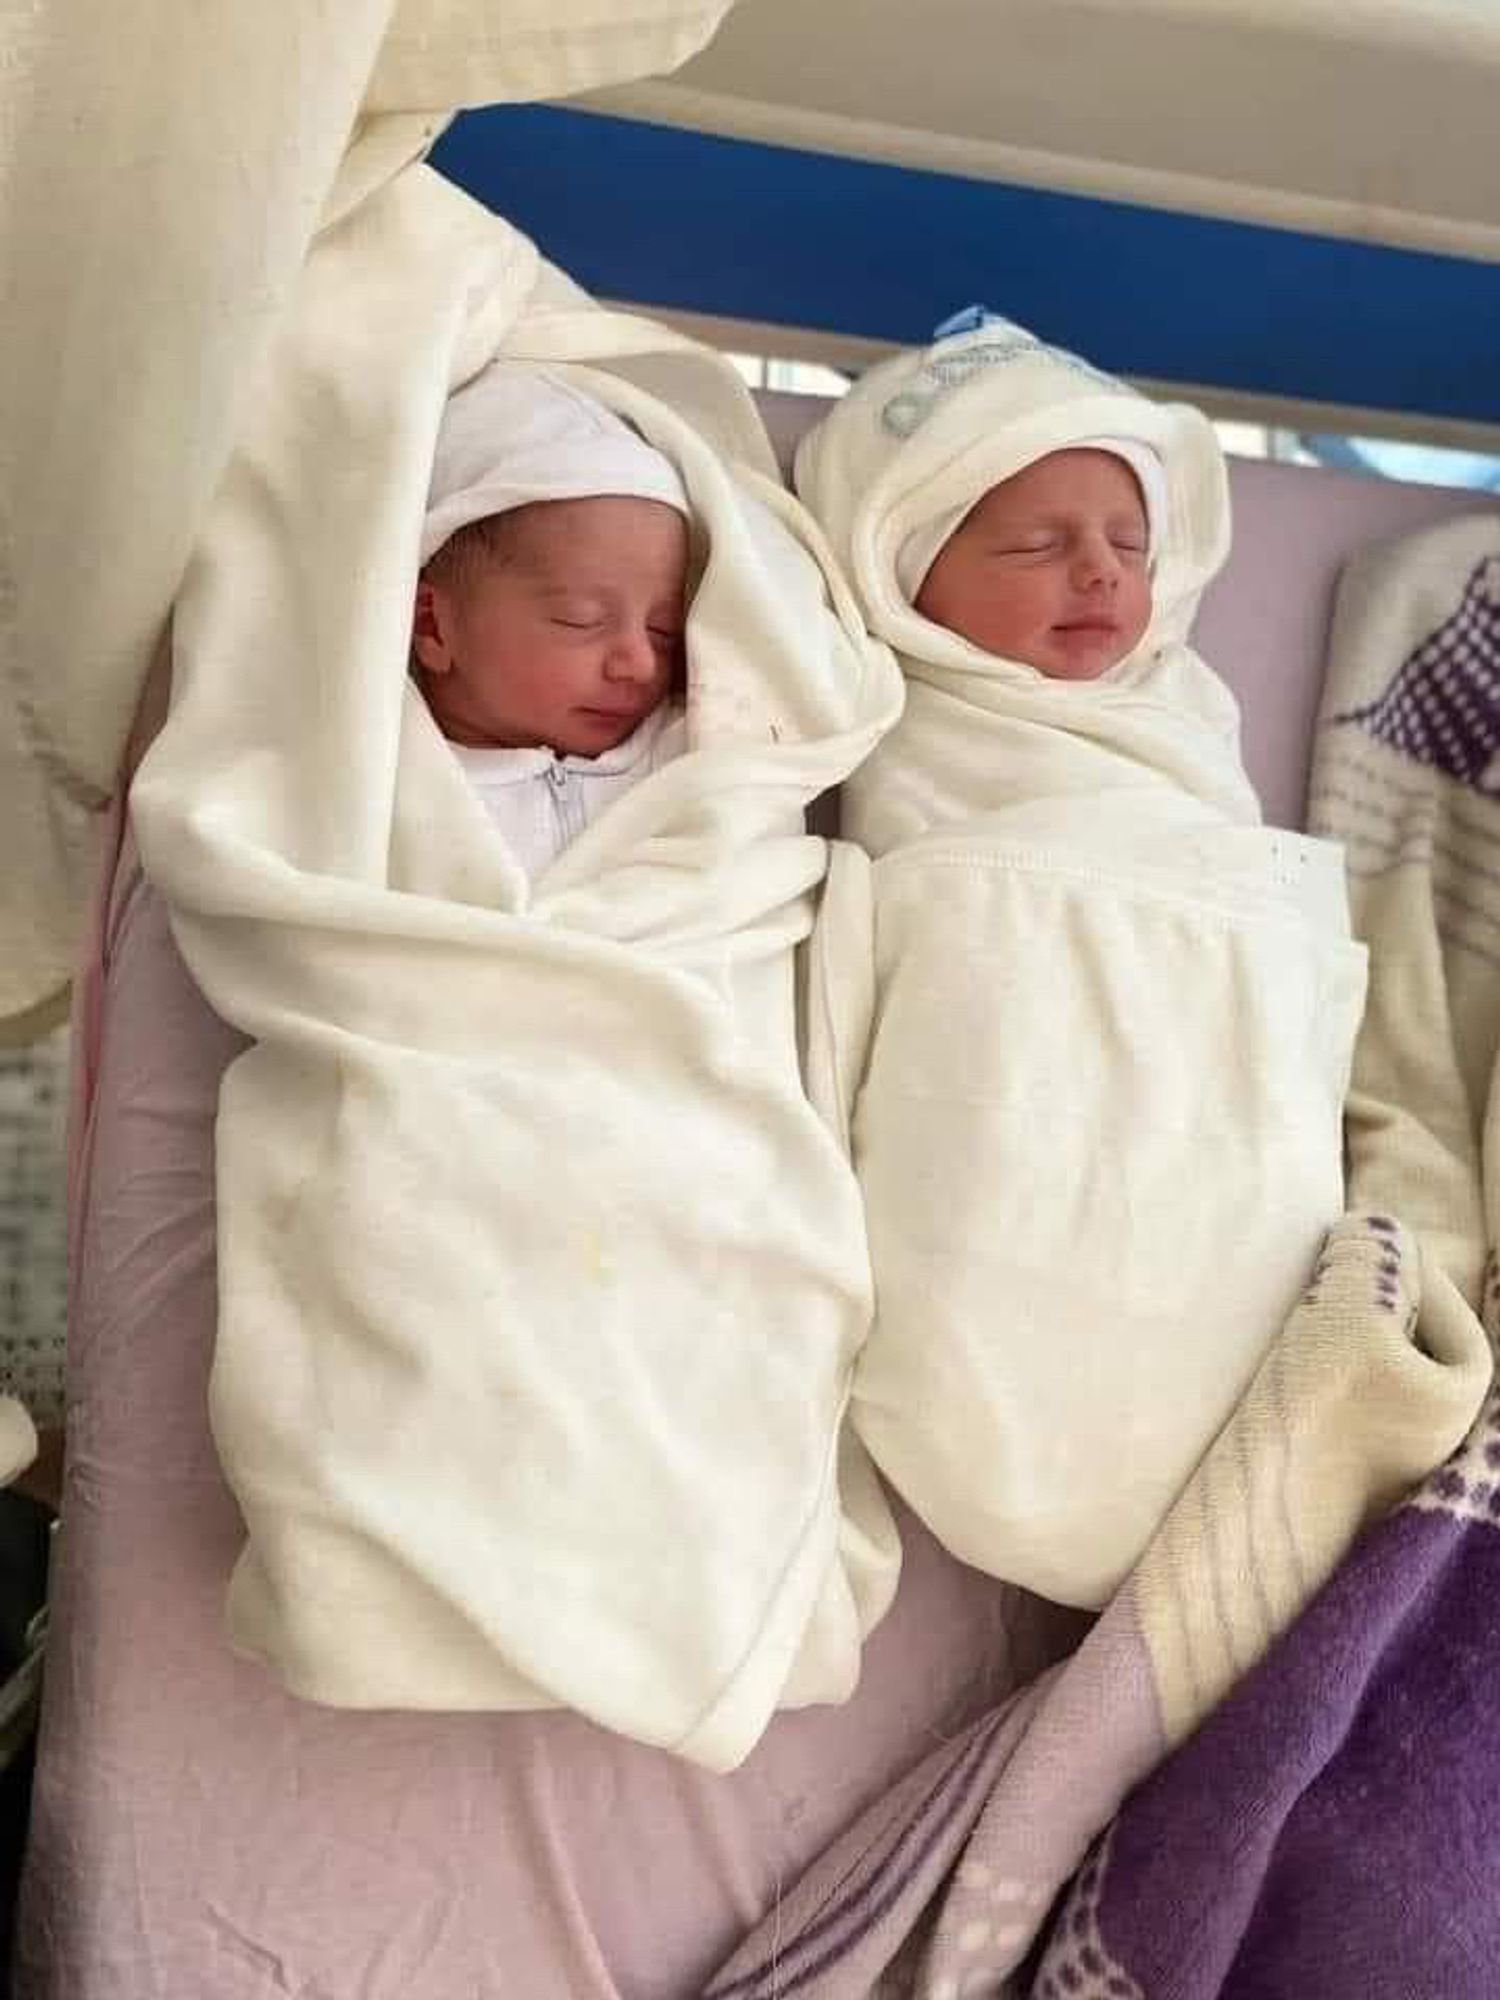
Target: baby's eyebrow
x=1051 y=524
x=1034 y=524
x=591 y=594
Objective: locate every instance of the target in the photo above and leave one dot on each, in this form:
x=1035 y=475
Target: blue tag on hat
x=943 y=369
x=968 y=319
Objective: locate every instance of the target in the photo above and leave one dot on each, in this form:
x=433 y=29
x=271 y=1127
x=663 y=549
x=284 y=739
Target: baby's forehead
x=1072 y=476
x=600 y=516
x=559 y=533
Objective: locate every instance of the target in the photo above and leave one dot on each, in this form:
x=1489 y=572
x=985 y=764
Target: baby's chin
x=591 y=732
x=1073 y=653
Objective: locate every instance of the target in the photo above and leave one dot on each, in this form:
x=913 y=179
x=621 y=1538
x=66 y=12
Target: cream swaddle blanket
x=1112 y=1014
x=541 y=1279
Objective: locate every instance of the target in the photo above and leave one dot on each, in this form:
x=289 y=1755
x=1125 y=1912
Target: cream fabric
x=18 y=1441
x=450 y=53
x=1376 y=1377
x=541 y=1279
x=162 y=172
x=1406 y=773
x=1111 y=1016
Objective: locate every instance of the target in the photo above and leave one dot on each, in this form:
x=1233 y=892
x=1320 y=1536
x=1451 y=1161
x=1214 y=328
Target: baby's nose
x=1098 y=561
x=632 y=657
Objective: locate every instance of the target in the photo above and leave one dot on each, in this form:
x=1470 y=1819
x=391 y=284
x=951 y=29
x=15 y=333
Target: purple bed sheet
x=199 y=1835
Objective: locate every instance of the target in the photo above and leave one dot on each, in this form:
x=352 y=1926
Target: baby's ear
x=429 y=630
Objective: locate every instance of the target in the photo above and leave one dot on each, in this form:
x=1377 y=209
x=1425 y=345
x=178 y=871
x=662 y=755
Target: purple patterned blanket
x=1332 y=1832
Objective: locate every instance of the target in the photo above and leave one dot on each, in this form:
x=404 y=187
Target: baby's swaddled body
x=1099 y=1128
x=540 y=1277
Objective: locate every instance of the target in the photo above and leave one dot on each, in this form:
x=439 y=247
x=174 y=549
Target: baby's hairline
x=494 y=538
x=1138 y=497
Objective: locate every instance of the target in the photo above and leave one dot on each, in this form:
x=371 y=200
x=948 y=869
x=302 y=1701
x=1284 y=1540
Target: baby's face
x=1049 y=567
x=568 y=635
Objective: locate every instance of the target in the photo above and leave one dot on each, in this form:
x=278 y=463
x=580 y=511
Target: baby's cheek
x=1139 y=600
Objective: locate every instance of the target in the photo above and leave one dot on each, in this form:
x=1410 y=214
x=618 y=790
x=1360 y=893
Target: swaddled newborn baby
x=547 y=637
x=503 y=870
x=1099 y=1131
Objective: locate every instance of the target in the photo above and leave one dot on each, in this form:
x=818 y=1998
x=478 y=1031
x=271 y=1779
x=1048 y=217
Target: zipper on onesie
x=567 y=801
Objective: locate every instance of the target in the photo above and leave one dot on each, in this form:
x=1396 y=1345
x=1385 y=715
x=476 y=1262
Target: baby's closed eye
x=579 y=611
x=577 y=614
x=1039 y=544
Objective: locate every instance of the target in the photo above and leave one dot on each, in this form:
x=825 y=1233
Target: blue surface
x=1417 y=463
x=714 y=225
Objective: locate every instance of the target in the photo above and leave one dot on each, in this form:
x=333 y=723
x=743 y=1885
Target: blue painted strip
x=715 y=225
